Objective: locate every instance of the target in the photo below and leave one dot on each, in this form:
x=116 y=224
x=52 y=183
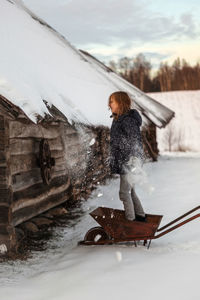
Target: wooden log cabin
x=54 y=123
x=44 y=164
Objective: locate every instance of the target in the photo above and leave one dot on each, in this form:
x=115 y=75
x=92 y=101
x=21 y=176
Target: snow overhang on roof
x=43 y=67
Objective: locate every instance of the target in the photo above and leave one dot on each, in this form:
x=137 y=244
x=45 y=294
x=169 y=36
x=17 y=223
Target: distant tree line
x=179 y=76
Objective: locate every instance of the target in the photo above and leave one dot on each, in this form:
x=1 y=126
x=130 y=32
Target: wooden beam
x=21 y=130
x=25 y=209
x=39 y=191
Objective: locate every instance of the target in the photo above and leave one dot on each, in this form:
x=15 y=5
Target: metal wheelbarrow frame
x=115 y=228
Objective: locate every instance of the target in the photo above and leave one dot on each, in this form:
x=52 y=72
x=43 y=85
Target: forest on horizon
x=180 y=75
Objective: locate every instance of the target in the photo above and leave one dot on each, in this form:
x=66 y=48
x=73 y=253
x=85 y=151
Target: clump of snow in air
x=92 y=142
x=3 y=249
x=97 y=237
x=136 y=174
x=84 y=140
x=99 y=195
x=118 y=255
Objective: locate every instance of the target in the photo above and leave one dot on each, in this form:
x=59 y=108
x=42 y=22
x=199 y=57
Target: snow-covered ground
x=168 y=270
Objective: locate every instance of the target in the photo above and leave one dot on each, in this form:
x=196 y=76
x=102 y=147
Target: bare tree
x=137 y=70
x=113 y=65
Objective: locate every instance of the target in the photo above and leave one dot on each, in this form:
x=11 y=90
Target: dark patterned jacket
x=125 y=140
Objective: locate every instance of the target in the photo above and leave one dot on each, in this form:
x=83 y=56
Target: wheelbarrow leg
x=149 y=244
x=135 y=243
x=145 y=241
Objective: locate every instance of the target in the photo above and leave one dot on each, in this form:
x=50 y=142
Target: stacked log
x=30 y=195
x=79 y=165
x=7 y=232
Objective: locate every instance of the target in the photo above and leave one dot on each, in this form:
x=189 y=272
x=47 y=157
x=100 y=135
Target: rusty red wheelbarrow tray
x=115 y=228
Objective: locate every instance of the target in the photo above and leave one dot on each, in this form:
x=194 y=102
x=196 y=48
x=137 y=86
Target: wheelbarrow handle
x=178 y=219
x=176 y=226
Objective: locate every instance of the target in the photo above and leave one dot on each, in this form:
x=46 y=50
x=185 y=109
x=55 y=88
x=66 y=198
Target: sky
x=109 y=29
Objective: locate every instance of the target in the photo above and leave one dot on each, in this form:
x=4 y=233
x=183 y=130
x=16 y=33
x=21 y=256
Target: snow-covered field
x=183 y=132
x=168 y=270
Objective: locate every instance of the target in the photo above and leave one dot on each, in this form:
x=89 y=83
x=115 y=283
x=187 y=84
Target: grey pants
x=129 y=198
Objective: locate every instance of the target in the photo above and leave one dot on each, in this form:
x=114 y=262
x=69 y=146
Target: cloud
x=114 y=28
x=189 y=25
x=112 y=21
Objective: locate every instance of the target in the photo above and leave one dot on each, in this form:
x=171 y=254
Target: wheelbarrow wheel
x=96 y=234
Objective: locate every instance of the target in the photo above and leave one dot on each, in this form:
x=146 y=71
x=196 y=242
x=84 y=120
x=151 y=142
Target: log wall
x=7 y=232
x=31 y=196
x=80 y=154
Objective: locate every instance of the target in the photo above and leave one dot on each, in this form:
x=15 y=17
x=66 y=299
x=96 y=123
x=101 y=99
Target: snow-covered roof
x=37 y=64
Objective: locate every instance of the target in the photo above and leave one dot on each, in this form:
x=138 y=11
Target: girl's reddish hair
x=123 y=100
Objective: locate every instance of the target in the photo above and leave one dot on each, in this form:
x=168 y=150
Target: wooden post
x=7 y=231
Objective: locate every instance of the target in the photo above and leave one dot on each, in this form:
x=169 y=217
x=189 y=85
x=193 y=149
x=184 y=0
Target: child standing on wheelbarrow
x=126 y=151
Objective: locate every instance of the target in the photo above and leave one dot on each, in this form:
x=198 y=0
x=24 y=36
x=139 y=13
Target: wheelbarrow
x=115 y=228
